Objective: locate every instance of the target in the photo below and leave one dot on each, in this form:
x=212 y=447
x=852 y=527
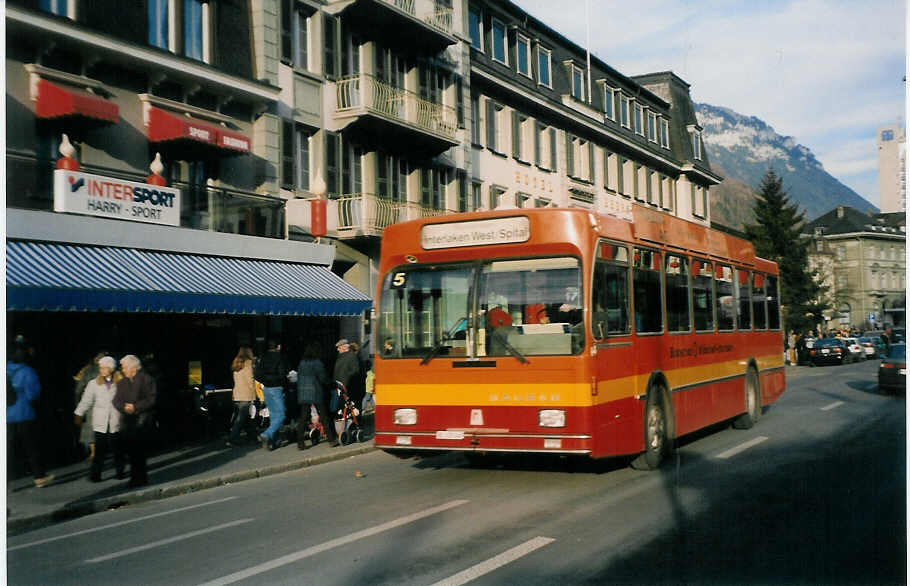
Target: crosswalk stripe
x=496 y=562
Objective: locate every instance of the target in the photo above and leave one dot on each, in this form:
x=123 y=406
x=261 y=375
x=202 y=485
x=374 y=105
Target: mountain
x=743 y=148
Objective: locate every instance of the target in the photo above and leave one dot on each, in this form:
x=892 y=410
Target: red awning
x=165 y=126
x=57 y=101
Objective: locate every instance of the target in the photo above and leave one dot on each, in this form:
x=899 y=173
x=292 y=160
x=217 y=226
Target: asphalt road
x=813 y=494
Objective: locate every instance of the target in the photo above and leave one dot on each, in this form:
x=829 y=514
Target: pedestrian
x=346 y=370
x=369 y=402
x=272 y=372
x=97 y=400
x=135 y=400
x=791 y=348
x=244 y=393
x=312 y=382
x=888 y=339
x=21 y=419
x=88 y=373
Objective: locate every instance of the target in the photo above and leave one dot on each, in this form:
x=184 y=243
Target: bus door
x=614 y=361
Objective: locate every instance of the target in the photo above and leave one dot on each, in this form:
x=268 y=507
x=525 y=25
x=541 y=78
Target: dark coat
x=141 y=391
x=271 y=370
x=347 y=371
x=311 y=381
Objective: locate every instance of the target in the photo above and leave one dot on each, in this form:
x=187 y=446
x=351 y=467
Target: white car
x=856 y=351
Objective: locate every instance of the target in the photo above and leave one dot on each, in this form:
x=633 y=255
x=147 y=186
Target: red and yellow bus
x=570 y=332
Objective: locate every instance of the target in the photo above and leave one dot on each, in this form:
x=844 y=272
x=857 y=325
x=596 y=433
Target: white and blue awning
x=66 y=277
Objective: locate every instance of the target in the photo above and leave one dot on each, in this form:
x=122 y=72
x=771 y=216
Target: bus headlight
x=405 y=416
x=551 y=418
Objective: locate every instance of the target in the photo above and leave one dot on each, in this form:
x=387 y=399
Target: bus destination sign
x=476 y=233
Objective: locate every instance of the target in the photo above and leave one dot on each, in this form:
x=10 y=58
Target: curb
x=69 y=512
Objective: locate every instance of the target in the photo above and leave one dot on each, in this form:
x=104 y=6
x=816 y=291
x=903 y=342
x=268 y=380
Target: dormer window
x=475 y=28
x=638 y=122
x=819 y=230
x=652 y=126
x=664 y=133
x=65 y=8
x=499 y=41
x=609 y=104
x=192 y=39
x=523 y=54
x=695 y=138
x=624 y=113
x=577 y=79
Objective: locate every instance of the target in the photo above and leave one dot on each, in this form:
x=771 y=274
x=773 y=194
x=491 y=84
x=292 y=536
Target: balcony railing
x=29 y=185
x=366 y=214
x=438 y=17
x=362 y=93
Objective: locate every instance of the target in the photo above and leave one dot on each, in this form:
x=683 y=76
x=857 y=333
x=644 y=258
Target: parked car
x=892 y=372
x=855 y=351
x=873 y=346
x=828 y=351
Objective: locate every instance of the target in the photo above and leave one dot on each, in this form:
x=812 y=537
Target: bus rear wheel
x=656 y=442
x=753 y=402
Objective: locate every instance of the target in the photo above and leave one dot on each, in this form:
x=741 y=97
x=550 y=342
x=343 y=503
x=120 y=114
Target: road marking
x=344 y=540
x=832 y=406
x=119 y=523
x=154 y=544
x=741 y=447
x=494 y=563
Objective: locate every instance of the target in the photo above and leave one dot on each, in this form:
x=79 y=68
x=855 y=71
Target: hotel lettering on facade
x=203 y=131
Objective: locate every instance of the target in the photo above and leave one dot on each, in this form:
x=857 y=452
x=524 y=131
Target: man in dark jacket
x=272 y=371
x=135 y=399
x=347 y=369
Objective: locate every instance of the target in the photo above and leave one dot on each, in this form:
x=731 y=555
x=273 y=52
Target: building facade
x=862 y=261
x=892 y=168
x=237 y=115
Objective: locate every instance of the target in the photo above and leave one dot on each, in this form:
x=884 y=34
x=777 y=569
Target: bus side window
x=773 y=304
x=610 y=291
x=758 y=301
x=743 y=300
x=646 y=284
x=676 y=274
x=703 y=295
x=726 y=303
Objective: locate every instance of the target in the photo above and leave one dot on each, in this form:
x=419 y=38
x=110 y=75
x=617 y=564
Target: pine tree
x=775 y=236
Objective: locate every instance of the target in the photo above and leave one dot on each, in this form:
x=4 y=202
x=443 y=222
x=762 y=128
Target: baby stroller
x=346 y=413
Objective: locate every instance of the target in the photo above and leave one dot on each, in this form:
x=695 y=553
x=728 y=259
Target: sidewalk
x=181 y=471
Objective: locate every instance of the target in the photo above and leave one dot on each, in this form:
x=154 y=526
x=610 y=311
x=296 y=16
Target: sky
x=829 y=73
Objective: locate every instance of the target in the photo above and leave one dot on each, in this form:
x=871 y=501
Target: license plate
x=903 y=371
x=450 y=435
x=824 y=351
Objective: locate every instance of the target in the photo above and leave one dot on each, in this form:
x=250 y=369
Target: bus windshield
x=486 y=308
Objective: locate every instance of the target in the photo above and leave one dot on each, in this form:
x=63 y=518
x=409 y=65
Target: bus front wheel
x=656 y=441
x=753 y=402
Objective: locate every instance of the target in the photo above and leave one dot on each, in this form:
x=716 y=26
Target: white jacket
x=105 y=418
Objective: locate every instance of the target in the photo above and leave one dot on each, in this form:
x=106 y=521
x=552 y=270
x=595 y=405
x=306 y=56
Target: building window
x=158 y=23
x=696 y=144
x=476 y=197
x=295 y=156
x=577 y=79
x=523 y=54
x=391 y=177
x=637 y=119
x=652 y=126
x=330 y=46
x=522 y=136
x=193 y=29
x=287 y=154
x=841 y=253
x=58 y=7
x=475 y=27
x=543 y=67
x=462 y=186
x=432 y=189
x=579 y=155
x=545 y=147
x=499 y=41
x=303 y=158
x=699 y=201
x=886 y=134
x=624 y=114
x=609 y=106
x=496 y=194
x=475 y=119
x=541 y=202
x=664 y=133
x=495 y=141
x=522 y=200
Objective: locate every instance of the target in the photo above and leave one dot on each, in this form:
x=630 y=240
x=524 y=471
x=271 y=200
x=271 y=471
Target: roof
x=847 y=220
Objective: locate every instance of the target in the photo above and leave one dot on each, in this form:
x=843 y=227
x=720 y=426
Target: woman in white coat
x=105 y=418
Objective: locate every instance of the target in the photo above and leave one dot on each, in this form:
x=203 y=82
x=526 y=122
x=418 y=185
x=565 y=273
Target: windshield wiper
x=449 y=335
x=502 y=339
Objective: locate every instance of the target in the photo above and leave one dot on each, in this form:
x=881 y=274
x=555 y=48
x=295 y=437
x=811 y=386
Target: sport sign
x=94 y=195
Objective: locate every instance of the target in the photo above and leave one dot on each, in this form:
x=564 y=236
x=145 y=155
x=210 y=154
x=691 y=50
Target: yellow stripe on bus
x=564 y=394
